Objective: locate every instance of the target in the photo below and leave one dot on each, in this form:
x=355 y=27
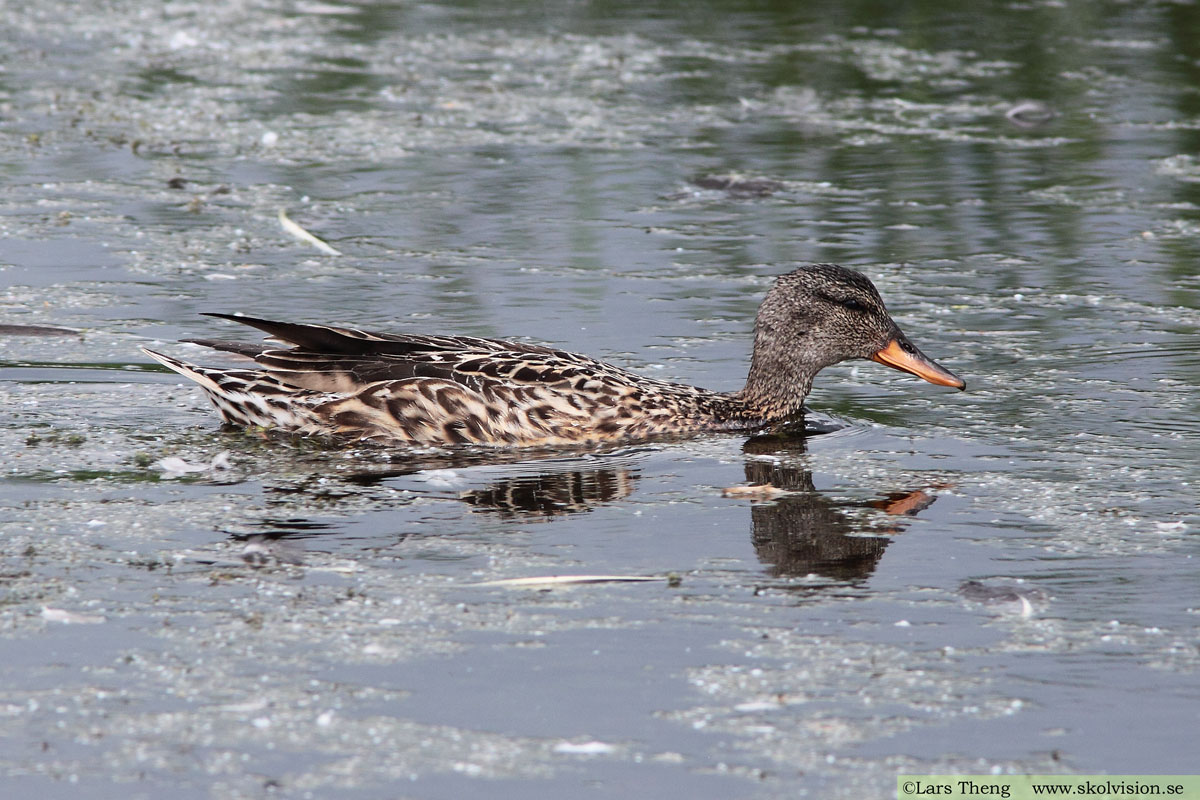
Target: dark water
x=1001 y=580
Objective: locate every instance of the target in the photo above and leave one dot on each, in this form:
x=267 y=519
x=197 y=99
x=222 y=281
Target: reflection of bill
x=803 y=532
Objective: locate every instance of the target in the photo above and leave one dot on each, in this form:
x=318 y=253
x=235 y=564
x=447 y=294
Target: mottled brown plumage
x=405 y=388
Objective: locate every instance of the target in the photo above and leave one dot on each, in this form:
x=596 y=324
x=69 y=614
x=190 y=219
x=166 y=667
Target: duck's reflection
x=548 y=495
x=803 y=532
x=796 y=530
x=545 y=494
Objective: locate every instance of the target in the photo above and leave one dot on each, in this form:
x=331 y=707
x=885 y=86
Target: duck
x=437 y=390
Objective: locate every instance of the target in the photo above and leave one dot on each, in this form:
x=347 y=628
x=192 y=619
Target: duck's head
x=819 y=315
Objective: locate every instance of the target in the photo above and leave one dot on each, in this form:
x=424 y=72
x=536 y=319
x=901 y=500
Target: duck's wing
x=332 y=340
x=326 y=358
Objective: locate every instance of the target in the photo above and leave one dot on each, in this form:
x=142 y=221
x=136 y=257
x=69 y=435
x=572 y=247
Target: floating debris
x=35 y=330
x=70 y=617
x=262 y=551
x=256 y=556
x=1007 y=596
x=175 y=467
x=440 y=478
x=304 y=236
x=758 y=491
x=584 y=748
x=738 y=186
x=1030 y=114
x=551 y=581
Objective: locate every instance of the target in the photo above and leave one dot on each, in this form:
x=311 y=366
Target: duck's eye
x=848 y=303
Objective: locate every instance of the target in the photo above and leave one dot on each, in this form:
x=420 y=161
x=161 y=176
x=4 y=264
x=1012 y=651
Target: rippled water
x=997 y=580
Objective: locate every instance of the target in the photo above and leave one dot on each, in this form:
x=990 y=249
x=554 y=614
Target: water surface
x=623 y=181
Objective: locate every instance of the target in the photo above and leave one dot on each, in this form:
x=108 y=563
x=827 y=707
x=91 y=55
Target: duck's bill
x=907 y=358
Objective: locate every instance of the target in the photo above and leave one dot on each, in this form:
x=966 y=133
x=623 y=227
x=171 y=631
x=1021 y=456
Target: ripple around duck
x=831 y=427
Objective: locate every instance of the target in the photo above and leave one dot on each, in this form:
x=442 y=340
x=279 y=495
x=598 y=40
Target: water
x=540 y=173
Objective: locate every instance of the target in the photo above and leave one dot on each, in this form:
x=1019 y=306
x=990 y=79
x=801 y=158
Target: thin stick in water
x=304 y=236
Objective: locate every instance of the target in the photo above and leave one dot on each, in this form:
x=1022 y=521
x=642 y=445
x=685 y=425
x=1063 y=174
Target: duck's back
x=444 y=390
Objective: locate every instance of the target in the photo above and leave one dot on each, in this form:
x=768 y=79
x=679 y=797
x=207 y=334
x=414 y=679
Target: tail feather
x=318 y=338
x=253 y=397
x=227 y=346
x=333 y=340
x=200 y=375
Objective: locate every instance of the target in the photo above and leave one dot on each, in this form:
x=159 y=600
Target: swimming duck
x=440 y=390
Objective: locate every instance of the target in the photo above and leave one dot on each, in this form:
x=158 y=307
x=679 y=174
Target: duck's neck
x=777 y=384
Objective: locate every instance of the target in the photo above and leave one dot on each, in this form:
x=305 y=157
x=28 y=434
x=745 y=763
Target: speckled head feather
x=398 y=388
x=810 y=319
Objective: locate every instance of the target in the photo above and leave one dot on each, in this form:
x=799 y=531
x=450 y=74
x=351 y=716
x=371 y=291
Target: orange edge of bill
x=895 y=356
